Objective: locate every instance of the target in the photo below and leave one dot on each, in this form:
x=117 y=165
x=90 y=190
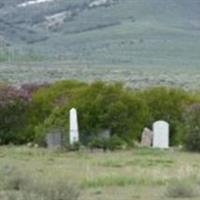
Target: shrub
x=23 y=187
x=110 y=106
x=56 y=94
x=31 y=88
x=103 y=106
x=16 y=181
x=166 y=104
x=116 y=142
x=13 y=105
x=75 y=147
x=95 y=143
x=180 y=189
x=58 y=190
x=112 y=143
x=192 y=127
x=122 y=111
x=47 y=100
x=28 y=113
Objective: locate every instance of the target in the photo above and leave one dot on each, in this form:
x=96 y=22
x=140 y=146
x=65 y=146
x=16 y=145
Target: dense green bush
x=110 y=106
x=29 y=113
x=112 y=143
x=124 y=112
x=103 y=106
x=13 y=105
x=192 y=127
x=16 y=112
x=47 y=99
x=167 y=104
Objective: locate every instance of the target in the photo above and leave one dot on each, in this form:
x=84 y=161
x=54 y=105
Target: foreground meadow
x=121 y=175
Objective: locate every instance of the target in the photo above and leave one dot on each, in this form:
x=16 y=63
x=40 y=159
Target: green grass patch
x=116 y=180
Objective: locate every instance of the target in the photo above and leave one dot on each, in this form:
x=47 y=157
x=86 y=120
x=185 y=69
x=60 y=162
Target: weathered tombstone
x=147 y=138
x=104 y=134
x=161 y=134
x=54 y=139
x=73 y=127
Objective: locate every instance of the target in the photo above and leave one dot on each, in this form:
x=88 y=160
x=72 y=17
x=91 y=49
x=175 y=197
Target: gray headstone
x=73 y=127
x=104 y=134
x=147 y=137
x=54 y=140
x=161 y=134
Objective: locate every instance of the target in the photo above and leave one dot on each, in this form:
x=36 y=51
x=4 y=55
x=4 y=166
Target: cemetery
x=99 y=100
x=158 y=138
x=71 y=140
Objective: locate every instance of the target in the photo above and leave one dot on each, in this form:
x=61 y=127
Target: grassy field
x=124 y=175
x=133 y=76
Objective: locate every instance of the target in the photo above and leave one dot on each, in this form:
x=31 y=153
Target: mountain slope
x=123 y=32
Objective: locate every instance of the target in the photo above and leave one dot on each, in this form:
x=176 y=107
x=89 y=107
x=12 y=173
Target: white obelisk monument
x=73 y=127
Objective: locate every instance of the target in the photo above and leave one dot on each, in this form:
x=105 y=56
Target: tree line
x=30 y=112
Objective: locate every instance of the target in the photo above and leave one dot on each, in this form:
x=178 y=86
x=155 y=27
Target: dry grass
x=135 y=174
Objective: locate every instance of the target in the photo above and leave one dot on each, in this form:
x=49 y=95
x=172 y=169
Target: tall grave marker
x=73 y=127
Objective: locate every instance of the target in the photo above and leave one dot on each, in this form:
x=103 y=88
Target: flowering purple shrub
x=13 y=109
x=30 y=88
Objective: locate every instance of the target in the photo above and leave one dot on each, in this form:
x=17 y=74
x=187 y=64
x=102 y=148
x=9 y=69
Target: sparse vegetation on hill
x=138 y=33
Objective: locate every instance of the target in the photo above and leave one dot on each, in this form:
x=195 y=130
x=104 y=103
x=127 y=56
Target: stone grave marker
x=147 y=138
x=161 y=135
x=54 y=139
x=104 y=134
x=73 y=127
